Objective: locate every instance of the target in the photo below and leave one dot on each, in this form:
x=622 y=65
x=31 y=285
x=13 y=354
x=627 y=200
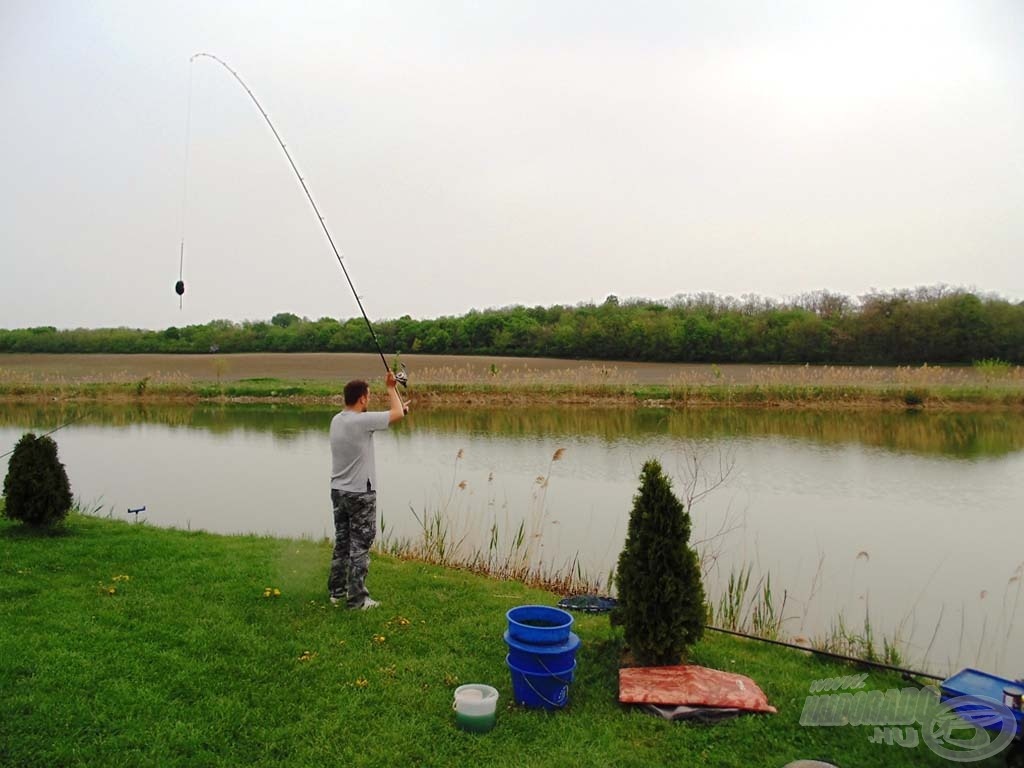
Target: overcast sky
x=481 y=154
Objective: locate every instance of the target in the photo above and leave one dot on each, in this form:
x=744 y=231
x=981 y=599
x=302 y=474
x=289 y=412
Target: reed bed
x=437 y=379
x=93 y=386
x=523 y=374
x=984 y=373
x=745 y=601
x=450 y=535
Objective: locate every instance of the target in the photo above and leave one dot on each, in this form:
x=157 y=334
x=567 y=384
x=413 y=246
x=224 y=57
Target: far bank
x=487 y=381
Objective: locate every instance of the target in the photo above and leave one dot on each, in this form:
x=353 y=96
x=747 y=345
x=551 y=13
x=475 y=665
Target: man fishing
x=354 y=489
x=353 y=475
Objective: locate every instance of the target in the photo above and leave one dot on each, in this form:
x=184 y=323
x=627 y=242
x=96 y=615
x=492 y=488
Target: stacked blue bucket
x=541 y=655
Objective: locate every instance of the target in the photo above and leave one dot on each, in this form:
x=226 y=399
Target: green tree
x=661 y=597
x=937 y=324
x=284 y=319
x=36 y=488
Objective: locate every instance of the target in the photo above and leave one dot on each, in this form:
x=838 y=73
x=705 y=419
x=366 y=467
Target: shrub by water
x=36 y=487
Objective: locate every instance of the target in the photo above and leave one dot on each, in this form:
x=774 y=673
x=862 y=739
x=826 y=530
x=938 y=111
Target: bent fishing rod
x=401 y=376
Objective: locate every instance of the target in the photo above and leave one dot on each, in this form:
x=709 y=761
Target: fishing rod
x=598 y=604
x=906 y=673
x=55 y=429
x=402 y=375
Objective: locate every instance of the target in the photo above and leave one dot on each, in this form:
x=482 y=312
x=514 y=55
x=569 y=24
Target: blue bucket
x=539 y=624
x=540 y=691
x=543 y=659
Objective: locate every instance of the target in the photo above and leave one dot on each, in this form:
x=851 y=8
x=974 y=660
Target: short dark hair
x=354 y=390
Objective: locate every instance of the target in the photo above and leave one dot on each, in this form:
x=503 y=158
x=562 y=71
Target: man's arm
x=398 y=409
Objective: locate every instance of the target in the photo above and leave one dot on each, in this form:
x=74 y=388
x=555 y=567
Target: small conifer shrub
x=36 y=488
x=661 y=597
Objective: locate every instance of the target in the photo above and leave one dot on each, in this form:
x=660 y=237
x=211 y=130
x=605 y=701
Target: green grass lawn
x=187 y=663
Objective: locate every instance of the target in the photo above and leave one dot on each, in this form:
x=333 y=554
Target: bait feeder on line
x=179 y=287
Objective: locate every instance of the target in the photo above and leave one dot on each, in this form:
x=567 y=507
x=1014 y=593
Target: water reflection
x=954 y=434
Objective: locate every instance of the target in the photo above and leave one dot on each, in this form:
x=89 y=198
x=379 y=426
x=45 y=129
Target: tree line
x=935 y=325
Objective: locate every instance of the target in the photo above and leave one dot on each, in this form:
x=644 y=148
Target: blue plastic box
x=978 y=684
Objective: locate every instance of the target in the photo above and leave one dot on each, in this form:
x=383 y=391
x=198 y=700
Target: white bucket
x=475 y=706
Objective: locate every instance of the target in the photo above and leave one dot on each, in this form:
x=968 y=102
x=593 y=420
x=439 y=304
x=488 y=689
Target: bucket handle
x=552 y=674
x=556 y=704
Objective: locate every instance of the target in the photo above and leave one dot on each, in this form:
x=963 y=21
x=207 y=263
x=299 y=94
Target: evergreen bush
x=36 y=488
x=661 y=597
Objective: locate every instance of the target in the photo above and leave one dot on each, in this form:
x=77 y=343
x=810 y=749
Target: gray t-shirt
x=352 y=465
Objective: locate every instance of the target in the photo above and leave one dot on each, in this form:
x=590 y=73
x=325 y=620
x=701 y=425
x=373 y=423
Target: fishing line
x=55 y=429
x=179 y=288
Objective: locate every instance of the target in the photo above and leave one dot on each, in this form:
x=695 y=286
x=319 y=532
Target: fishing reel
x=402 y=377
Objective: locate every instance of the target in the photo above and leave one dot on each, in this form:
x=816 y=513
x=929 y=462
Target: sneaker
x=368 y=603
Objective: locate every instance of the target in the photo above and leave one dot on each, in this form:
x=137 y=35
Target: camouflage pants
x=355 y=527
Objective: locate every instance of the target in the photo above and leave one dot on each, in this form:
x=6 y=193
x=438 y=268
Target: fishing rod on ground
x=903 y=671
x=597 y=604
x=401 y=375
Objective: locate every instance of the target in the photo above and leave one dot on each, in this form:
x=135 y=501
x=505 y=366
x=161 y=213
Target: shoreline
x=426 y=397
x=487 y=382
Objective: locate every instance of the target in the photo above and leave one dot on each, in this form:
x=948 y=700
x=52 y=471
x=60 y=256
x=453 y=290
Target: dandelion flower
x=362 y=682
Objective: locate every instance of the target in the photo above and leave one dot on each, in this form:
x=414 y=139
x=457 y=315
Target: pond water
x=909 y=520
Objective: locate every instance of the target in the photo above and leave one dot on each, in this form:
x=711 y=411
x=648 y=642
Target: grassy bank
x=425 y=394
x=123 y=644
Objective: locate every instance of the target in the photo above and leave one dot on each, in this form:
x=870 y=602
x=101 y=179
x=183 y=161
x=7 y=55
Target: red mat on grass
x=693 y=686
